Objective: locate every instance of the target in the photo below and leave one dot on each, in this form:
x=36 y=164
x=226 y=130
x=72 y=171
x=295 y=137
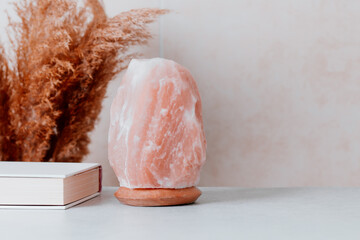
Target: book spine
x=100 y=178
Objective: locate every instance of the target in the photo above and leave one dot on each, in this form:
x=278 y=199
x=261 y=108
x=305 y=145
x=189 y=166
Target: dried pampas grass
x=64 y=55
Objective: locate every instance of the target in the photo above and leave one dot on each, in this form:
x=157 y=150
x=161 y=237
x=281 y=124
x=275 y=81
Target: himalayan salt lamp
x=156 y=139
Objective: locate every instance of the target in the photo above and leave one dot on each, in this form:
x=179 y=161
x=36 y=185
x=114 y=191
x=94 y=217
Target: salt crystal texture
x=156 y=136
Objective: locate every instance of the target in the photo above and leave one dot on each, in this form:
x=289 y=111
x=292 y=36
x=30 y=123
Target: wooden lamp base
x=149 y=197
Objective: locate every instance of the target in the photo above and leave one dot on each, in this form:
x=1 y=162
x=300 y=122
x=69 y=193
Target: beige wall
x=280 y=83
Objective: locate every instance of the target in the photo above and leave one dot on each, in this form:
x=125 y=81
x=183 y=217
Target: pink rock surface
x=156 y=136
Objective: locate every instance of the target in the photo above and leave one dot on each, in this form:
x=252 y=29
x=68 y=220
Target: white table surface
x=220 y=213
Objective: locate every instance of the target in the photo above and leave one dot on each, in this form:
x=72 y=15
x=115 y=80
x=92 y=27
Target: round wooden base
x=148 y=197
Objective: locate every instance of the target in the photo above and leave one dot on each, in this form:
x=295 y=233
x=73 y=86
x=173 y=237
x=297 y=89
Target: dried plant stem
x=65 y=55
x=6 y=141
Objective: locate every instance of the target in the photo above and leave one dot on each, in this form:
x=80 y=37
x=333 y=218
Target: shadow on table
x=215 y=195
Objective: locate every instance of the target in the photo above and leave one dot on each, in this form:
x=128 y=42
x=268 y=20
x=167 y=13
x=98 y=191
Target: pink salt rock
x=156 y=135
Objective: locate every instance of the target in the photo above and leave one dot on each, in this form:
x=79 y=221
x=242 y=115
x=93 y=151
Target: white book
x=48 y=185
